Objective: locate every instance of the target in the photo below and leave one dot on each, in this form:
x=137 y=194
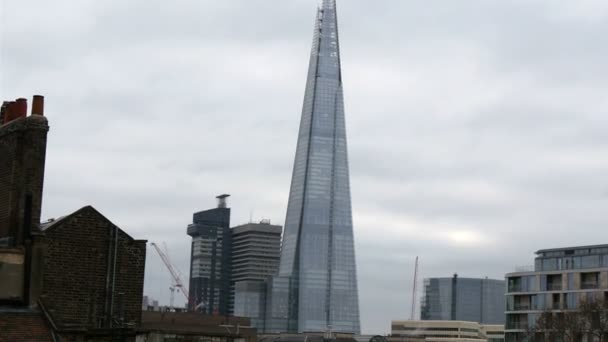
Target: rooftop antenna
x=413 y=312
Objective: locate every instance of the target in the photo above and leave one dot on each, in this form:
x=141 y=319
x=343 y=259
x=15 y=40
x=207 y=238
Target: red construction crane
x=177 y=281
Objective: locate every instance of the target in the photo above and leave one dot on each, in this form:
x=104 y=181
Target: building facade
x=562 y=279
x=23 y=151
x=464 y=299
x=255 y=258
x=316 y=287
x=210 y=269
x=93 y=275
x=76 y=278
x=461 y=331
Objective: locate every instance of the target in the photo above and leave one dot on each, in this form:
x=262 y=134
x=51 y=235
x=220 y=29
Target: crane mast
x=177 y=281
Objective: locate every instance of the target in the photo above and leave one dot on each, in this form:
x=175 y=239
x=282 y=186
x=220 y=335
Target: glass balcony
x=523 y=306
x=515 y=288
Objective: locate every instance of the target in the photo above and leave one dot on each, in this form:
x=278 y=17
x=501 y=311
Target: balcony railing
x=586 y=285
x=517 y=325
x=515 y=288
x=519 y=307
x=554 y=286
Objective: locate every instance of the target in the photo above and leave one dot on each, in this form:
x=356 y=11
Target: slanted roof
x=54 y=223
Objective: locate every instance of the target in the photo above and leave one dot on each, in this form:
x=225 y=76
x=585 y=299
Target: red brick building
x=78 y=278
x=93 y=275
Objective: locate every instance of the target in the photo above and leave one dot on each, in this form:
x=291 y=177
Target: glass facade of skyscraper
x=317 y=273
x=464 y=299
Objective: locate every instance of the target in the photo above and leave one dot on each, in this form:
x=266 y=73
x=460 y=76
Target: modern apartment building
x=562 y=279
x=256 y=248
x=210 y=269
x=464 y=299
x=461 y=331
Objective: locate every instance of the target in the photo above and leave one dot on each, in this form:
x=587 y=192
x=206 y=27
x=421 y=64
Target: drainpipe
x=114 y=274
x=109 y=264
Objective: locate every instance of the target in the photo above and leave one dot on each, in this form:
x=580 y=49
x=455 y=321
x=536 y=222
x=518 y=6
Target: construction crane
x=413 y=312
x=177 y=283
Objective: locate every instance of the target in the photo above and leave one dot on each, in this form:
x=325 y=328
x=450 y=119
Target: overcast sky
x=478 y=130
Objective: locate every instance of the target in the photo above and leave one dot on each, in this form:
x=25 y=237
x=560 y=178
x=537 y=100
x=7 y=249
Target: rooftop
x=564 y=249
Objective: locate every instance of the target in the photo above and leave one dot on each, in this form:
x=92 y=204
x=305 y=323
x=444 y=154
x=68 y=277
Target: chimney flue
x=20 y=108
x=38 y=105
x=3 y=112
x=9 y=113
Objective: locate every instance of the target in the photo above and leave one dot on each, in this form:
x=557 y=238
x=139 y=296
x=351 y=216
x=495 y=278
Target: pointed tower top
x=329 y=3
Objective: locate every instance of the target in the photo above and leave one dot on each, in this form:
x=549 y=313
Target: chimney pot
x=38 y=105
x=3 y=112
x=9 y=112
x=20 y=108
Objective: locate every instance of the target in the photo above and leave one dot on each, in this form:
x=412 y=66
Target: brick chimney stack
x=22 y=158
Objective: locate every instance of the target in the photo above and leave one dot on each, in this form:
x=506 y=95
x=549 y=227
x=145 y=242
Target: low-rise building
x=76 y=278
x=562 y=279
x=418 y=331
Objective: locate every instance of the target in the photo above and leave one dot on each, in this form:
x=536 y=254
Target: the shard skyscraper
x=316 y=288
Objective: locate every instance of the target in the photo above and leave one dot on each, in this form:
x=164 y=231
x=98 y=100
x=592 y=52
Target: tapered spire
x=317 y=255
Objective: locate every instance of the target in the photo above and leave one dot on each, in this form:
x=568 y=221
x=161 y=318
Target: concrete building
x=464 y=299
x=418 y=331
x=210 y=258
x=255 y=257
x=562 y=279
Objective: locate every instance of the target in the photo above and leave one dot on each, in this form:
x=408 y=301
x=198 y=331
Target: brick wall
x=80 y=268
x=22 y=159
x=24 y=327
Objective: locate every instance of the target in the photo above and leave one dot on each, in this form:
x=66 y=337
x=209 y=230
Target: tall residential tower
x=316 y=288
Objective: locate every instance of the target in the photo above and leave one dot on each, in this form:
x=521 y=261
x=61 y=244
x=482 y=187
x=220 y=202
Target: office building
x=210 y=268
x=464 y=299
x=316 y=287
x=456 y=331
x=562 y=279
x=255 y=257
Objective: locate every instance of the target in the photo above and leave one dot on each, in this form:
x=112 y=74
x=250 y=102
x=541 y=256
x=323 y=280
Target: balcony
x=515 y=288
x=587 y=285
x=522 y=307
x=517 y=325
x=554 y=286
